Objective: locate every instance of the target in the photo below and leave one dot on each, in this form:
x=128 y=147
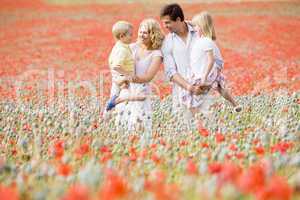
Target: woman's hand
x=132 y=78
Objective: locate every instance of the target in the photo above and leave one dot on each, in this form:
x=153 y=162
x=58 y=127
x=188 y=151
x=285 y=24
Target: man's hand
x=201 y=89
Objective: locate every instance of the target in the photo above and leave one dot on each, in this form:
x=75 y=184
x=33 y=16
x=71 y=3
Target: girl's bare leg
x=224 y=93
x=229 y=98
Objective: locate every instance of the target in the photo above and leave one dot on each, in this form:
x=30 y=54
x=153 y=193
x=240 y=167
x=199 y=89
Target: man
x=176 y=52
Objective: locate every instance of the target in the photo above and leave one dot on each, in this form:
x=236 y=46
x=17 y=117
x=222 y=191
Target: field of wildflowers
x=54 y=81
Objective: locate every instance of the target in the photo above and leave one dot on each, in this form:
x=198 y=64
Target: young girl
x=206 y=62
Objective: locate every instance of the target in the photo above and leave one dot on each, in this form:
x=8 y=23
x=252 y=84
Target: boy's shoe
x=238 y=109
x=111 y=103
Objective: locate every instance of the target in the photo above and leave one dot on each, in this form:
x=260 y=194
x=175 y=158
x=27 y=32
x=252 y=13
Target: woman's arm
x=150 y=73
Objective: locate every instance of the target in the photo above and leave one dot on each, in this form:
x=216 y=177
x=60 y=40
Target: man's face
x=170 y=25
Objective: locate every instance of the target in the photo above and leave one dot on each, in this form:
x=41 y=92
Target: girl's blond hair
x=121 y=28
x=155 y=32
x=205 y=22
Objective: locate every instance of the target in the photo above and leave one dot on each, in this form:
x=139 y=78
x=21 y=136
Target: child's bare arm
x=210 y=64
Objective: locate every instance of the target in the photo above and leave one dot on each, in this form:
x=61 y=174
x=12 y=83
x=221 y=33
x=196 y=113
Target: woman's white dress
x=136 y=116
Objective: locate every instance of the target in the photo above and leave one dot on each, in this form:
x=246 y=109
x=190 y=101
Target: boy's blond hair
x=121 y=27
x=205 y=22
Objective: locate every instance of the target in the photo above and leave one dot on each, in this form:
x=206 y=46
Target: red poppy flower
x=281 y=147
x=204 y=145
x=215 y=167
x=77 y=192
x=155 y=158
x=114 y=186
x=277 y=189
x=64 y=169
x=83 y=149
x=144 y=153
x=220 y=137
x=133 y=138
x=259 y=150
x=252 y=179
x=133 y=157
x=58 y=150
x=233 y=147
x=8 y=193
x=162 y=142
x=183 y=143
x=106 y=157
x=160 y=189
x=255 y=141
x=104 y=149
x=239 y=155
x=191 y=168
x=230 y=173
x=153 y=146
x=203 y=131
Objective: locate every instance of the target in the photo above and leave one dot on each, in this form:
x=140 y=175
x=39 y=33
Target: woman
x=136 y=116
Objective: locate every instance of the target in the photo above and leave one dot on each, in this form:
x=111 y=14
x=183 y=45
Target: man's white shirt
x=176 y=58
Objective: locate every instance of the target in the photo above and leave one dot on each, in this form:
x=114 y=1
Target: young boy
x=121 y=63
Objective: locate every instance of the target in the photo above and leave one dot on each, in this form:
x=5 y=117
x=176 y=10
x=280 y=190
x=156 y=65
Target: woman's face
x=143 y=35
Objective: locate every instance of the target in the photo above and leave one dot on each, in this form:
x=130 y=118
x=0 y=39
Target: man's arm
x=179 y=80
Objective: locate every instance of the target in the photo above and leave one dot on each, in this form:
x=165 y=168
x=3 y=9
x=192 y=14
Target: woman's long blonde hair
x=205 y=22
x=155 y=32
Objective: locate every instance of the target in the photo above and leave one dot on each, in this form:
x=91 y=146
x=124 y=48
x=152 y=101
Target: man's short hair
x=173 y=11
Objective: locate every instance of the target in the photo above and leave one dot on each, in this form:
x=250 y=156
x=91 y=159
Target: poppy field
x=54 y=81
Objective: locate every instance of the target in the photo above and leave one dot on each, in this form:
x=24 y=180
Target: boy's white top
x=199 y=59
x=176 y=57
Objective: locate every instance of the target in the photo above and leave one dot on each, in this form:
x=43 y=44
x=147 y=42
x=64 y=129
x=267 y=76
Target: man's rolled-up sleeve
x=168 y=59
